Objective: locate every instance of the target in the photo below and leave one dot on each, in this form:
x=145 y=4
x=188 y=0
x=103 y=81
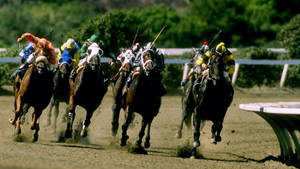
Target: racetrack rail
x=284 y=118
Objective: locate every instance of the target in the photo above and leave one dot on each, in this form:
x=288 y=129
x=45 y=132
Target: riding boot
x=20 y=71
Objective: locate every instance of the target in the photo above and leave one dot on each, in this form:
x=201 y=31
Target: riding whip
x=157 y=36
x=212 y=41
x=137 y=31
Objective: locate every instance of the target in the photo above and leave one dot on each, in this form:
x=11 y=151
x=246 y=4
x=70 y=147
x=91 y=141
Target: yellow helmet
x=220 y=49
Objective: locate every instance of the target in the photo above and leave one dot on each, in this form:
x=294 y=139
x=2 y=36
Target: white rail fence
x=284 y=118
x=178 y=51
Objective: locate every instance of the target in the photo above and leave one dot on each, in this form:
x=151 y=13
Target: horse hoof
x=196 y=143
x=213 y=141
x=35 y=138
x=124 y=140
x=138 y=143
x=192 y=157
x=11 y=121
x=178 y=135
x=68 y=134
x=218 y=138
x=147 y=144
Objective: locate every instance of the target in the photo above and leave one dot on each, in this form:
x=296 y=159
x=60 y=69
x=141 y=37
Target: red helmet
x=204 y=43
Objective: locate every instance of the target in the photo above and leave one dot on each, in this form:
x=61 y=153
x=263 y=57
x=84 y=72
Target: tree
x=289 y=37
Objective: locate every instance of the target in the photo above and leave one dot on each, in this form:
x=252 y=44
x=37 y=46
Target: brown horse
x=143 y=98
x=35 y=89
x=61 y=91
x=212 y=97
x=87 y=91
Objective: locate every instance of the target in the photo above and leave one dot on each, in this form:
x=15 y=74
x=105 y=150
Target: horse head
x=64 y=70
x=216 y=67
x=147 y=61
x=127 y=59
x=41 y=64
x=94 y=54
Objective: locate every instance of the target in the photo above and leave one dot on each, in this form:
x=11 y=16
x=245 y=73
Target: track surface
x=247 y=140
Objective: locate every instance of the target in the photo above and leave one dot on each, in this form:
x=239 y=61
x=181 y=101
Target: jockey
x=222 y=51
x=84 y=47
x=159 y=65
x=38 y=44
x=196 y=69
x=92 y=50
x=69 y=52
x=28 y=50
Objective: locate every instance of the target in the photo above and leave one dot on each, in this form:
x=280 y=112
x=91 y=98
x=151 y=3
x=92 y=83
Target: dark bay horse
x=87 y=90
x=143 y=98
x=35 y=89
x=124 y=71
x=61 y=90
x=213 y=96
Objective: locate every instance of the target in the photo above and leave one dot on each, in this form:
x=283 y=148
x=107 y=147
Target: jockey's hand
x=19 y=40
x=204 y=66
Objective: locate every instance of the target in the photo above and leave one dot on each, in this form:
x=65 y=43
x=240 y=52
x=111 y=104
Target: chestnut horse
x=212 y=96
x=61 y=91
x=87 y=91
x=35 y=89
x=143 y=98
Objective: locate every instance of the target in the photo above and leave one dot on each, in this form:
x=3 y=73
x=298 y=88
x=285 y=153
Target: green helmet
x=93 y=38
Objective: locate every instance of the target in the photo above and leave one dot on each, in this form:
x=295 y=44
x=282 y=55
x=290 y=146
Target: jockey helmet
x=42 y=43
x=150 y=45
x=221 y=49
x=136 y=47
x=93 y=38
x=41 y=59
x=70 y=43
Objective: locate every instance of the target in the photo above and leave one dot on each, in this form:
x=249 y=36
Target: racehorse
x=61 y=90
x=187 y=99
x=143 y=98
x=124 y=71
x=35 y=89
x=87 y=90
x=212 y=96
x=187 y=107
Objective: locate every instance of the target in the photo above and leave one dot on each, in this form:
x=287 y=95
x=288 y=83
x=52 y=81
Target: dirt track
x=247 y=140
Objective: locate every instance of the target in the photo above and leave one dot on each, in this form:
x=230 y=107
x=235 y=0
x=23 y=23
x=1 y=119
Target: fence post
x=185 y=71
x=235 y=73
x=283 y=75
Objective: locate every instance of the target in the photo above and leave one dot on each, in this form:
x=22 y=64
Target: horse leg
x=50 y=111
x=25 y=110
x=216 y=132
x=87 y=122
x=56 y=111
x=197 y=124
x=115 y=118
x=35 y=124
x=70 y=120
x=125 y=125
x=147 y=141
x=18 y=127
x=18 y=111
x=141 y=133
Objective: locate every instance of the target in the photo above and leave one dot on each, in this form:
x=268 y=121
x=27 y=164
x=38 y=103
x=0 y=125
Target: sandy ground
x=247 y=140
